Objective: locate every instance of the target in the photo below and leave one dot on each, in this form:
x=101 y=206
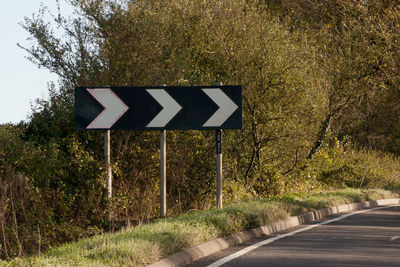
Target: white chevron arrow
x=225 y=104
x=114 y=108
x=170 y=107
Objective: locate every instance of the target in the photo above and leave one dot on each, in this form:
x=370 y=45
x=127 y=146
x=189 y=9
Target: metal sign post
x=218 y=141
x=163 y=173
x=107 y=159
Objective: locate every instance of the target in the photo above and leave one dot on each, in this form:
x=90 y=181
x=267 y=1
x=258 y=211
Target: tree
x=312 y=72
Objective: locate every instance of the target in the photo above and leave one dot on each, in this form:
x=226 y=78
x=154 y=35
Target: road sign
x=162 y=108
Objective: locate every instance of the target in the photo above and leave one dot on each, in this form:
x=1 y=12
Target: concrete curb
x=189 y=255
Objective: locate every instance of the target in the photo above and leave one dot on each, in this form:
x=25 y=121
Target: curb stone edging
x=189 y=255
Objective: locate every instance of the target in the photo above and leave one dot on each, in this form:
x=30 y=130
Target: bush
x=49 y=194
x=343 y=165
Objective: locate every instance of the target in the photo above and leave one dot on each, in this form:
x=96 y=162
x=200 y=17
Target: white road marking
x=394 y=238
x=270 y=240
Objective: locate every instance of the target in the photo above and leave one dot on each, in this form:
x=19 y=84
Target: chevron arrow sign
x=162 y=108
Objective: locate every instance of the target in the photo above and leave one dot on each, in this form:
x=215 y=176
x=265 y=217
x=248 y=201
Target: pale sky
x=22 y=81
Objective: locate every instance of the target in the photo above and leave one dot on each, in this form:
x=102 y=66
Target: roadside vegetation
x=145 y=244
x=320 y=84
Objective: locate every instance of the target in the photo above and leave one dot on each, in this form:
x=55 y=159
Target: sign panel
x=162 y=108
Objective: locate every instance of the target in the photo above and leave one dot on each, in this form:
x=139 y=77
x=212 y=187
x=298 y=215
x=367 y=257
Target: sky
x=22 y=81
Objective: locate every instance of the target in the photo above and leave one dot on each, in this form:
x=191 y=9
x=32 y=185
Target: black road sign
x=163 y=108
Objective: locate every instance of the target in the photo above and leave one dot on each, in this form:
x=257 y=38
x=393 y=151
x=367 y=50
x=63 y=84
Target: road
x=370 y=238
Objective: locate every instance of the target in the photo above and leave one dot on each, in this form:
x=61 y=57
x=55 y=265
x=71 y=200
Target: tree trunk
x=321 y=136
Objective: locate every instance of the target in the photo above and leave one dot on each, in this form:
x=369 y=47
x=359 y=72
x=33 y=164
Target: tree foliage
x=316 y=76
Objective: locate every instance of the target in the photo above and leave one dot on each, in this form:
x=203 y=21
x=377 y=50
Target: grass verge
x=145 y=244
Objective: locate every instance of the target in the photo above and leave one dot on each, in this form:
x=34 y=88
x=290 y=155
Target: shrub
x=343 y=165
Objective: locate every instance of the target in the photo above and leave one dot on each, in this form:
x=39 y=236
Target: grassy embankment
x=144 y=244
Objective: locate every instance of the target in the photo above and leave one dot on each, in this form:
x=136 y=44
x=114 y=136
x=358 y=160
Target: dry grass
x=145 y=244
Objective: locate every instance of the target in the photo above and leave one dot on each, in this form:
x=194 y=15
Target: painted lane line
x=394 y=238
x=270 y=240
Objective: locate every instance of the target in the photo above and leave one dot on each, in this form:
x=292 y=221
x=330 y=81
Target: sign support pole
x=218 y=141
x=107 y=159
x=163 y=173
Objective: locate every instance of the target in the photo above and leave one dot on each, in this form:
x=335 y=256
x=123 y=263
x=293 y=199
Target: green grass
x=145 y=244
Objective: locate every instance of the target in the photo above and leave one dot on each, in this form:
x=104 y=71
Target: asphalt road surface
x=370 y=238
